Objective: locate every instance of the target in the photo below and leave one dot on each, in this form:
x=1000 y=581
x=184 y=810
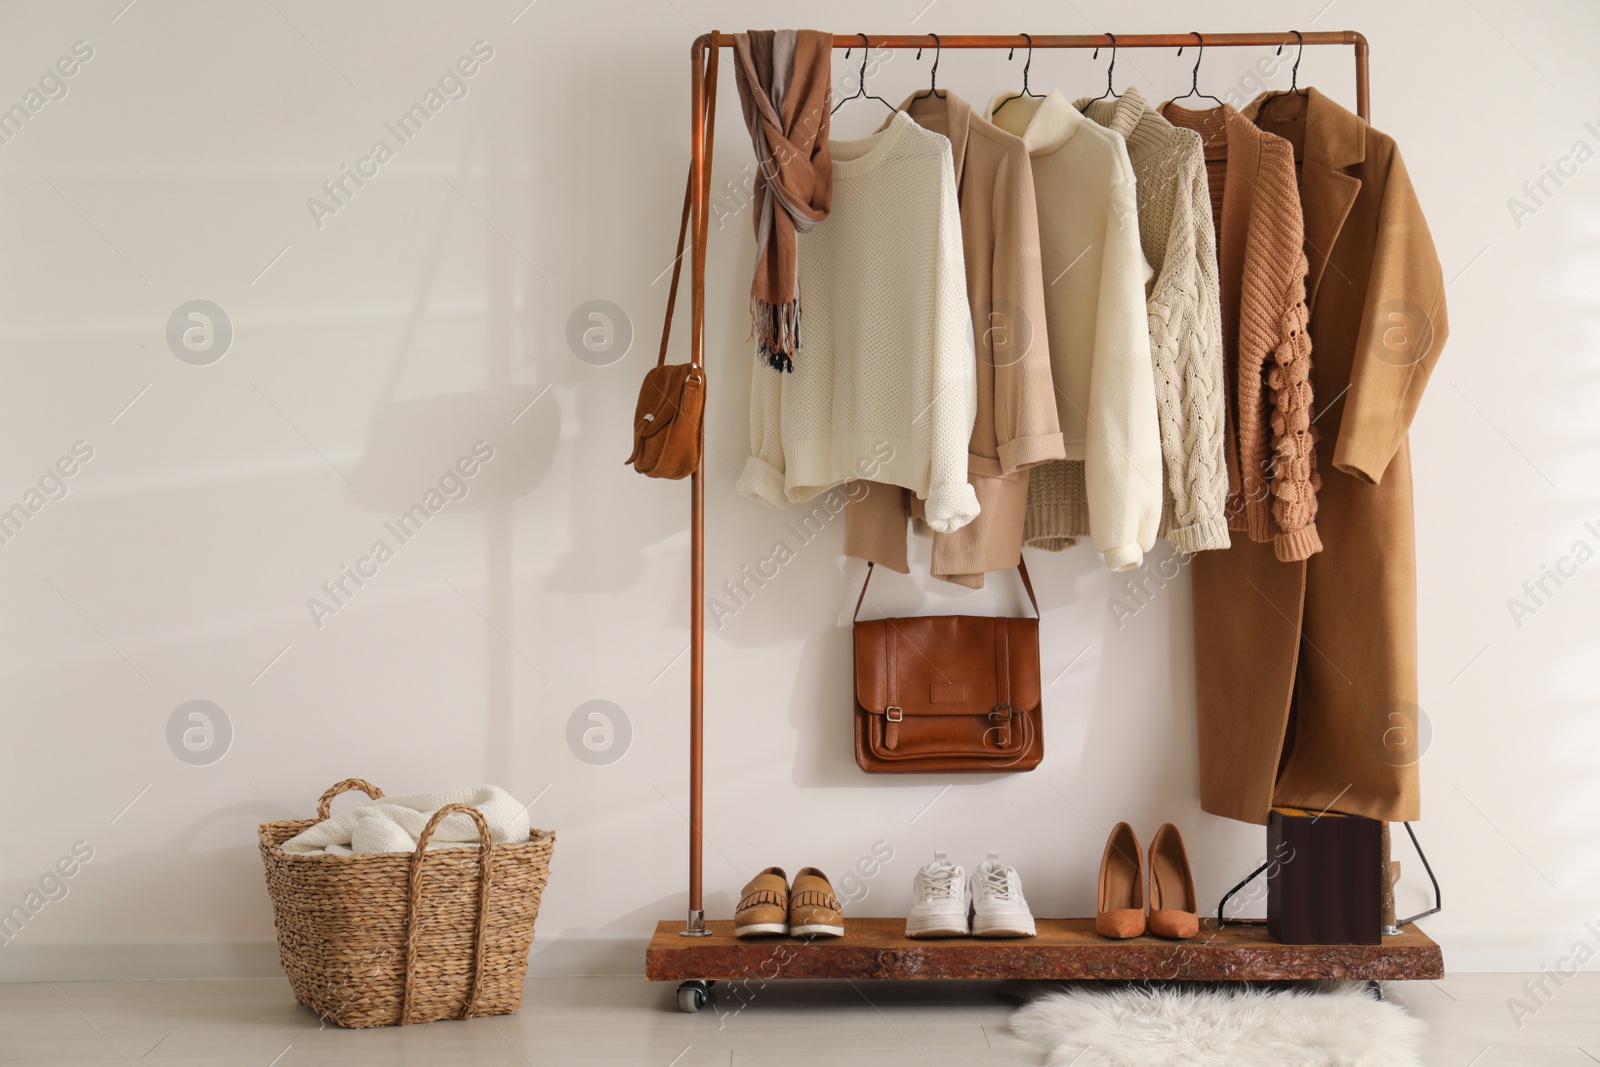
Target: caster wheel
x=692 y=996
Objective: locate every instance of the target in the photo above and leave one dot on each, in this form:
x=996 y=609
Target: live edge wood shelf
x=1063 y=949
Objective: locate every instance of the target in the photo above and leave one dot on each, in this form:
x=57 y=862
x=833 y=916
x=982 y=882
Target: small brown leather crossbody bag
x=948 y=693
x=669 y=419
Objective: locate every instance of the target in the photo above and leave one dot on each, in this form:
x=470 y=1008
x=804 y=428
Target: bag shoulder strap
x=688 y=200
x=1022 y=569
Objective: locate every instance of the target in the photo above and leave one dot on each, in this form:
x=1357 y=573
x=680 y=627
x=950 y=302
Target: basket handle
x=325 y=805
x=486 y=875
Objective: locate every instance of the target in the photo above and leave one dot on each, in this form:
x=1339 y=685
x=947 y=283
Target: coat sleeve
x=1122 y=455
x=951 y=502
x=1013 y=339
x=1403 y=327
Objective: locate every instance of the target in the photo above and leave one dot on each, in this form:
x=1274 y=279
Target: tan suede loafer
x=814 y=910
x=764 y=906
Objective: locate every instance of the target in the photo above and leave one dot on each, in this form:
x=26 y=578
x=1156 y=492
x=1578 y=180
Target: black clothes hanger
x=933 y=75
x=861 y=81
x=1109 y=68
x=1025 y=91
x=1194 y=80
x=1294 y=72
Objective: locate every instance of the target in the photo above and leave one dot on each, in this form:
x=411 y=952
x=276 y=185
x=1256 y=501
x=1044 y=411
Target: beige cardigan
x=1017 y=425
x=1260 y=242
x=1185 y=311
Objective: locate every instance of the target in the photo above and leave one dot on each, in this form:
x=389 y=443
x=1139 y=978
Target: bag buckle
x=894 y=713
x=997 y=715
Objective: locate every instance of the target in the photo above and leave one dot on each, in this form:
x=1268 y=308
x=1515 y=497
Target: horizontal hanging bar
x=1345 y=38
x=1085 y=40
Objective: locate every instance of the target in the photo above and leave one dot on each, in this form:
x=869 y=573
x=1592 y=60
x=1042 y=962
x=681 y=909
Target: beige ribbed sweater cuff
x=1203 y=535
x=1056 y=525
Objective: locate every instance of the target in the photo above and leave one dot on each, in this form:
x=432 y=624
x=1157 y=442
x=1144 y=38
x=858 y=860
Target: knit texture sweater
x=1109 y=486
x=1272 y=476
x=1185 y=314
x=884 y=384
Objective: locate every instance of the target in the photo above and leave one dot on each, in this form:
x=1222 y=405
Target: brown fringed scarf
x=783 y=78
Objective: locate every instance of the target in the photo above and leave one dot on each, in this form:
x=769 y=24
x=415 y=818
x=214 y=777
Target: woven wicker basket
x=396 y=937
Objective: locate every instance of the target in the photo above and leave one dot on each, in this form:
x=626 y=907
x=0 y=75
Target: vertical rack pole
x=695 y=924
x=1364 y=112
x=1363 y=98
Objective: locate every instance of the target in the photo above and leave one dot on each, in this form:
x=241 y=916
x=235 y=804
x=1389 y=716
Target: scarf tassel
x=777 y=329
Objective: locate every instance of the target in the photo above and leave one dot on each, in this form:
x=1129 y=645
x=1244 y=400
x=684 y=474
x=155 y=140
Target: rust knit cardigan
x=1272 y=467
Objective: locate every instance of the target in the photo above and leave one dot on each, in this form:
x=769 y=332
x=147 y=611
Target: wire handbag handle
x=1438 y=895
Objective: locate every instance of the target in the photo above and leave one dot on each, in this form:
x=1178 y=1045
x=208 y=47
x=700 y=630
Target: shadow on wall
x=410 y=442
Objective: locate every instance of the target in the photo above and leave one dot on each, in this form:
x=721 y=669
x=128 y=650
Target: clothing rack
x=662 y=961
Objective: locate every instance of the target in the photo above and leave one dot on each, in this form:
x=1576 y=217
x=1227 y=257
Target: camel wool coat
x=1306 y=671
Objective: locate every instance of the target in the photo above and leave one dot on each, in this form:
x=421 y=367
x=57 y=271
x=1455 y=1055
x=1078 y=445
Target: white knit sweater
x=1109 y=486
x=1176 y=232
x=884 y=385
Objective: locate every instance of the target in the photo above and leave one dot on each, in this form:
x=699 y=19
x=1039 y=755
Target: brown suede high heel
x=1120 y=911
x=1172 y=907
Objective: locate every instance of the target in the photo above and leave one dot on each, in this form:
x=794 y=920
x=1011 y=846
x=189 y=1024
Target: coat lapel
x=1334 y=141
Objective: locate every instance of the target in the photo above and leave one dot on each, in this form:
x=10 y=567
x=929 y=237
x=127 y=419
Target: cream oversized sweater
x=1185 y=310
x=1109 y=486
x=884 y=385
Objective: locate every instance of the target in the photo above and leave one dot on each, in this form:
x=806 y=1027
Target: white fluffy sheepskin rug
x=1343 y=1026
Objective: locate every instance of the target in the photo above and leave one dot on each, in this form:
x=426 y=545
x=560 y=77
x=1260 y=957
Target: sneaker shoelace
x=941 y=883
x=997 y=883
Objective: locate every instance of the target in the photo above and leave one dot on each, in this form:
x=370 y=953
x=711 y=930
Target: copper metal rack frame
x=662 y=963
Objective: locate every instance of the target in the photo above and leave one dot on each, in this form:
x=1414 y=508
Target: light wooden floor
x=616 y=1021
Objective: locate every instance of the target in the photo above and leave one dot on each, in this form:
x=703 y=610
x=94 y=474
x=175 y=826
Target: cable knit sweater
x=1109 y=486
x=884 y=386
x=1185 y=313
x=1272 y=475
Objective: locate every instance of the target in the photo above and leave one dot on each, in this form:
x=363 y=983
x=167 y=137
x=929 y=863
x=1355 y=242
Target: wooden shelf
x=1063 y=949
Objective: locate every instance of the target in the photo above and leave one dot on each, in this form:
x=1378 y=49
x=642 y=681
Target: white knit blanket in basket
x=393 y=824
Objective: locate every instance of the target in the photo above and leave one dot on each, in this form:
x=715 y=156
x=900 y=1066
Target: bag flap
x=946 y=664
x=1026 y=692
x=669 y=392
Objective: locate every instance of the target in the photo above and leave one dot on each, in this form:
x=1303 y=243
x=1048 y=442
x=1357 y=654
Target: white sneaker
x=998 y=907
x=940 y=908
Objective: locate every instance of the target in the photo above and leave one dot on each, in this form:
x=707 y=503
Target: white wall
x=371 y=351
